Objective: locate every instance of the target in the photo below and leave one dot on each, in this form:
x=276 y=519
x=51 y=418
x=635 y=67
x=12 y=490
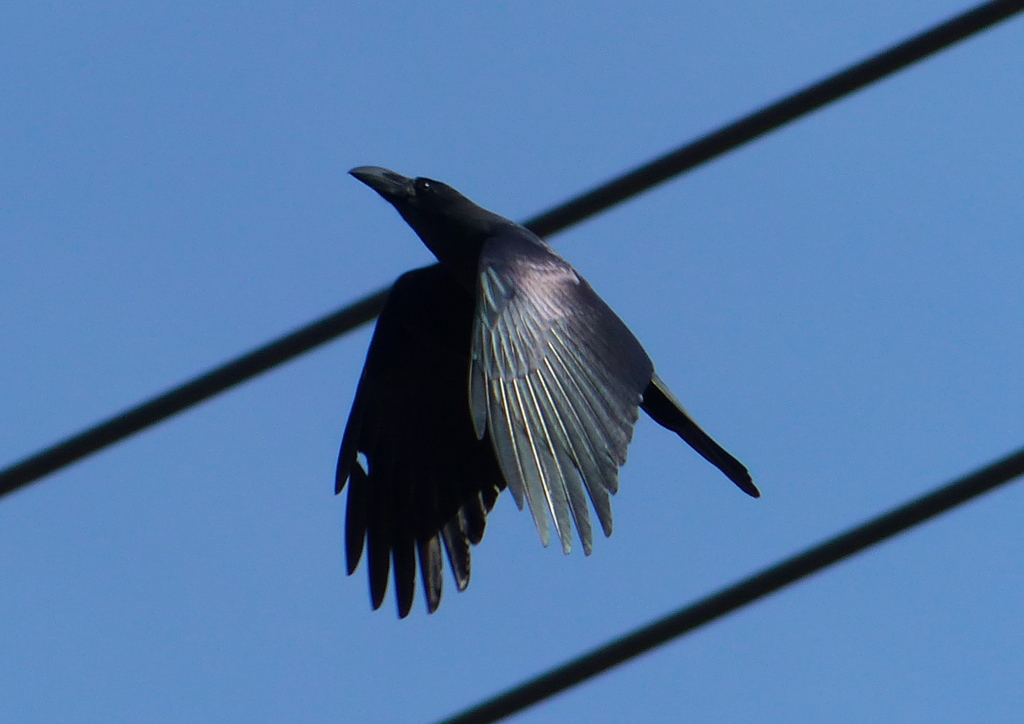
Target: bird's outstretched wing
x=556 y=379
x=428 y=481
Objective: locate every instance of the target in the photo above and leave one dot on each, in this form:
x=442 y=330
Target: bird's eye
x=423 y=186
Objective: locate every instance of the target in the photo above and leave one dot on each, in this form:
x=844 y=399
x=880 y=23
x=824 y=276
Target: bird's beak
x=392 y=186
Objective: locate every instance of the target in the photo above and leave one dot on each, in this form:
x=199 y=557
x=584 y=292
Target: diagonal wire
x=745 y=592
x=588 y=204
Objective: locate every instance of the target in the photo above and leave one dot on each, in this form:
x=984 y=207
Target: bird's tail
x=664 y=408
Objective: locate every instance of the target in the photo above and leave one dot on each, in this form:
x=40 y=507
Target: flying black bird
x=499 y=366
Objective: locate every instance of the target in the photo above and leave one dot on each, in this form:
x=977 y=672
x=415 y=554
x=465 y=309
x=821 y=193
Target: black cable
x=173 y=401
x=775 y=115
x=745 y=592
x=630 y=184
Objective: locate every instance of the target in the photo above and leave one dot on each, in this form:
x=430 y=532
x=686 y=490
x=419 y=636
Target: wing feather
x=429 y=551
x=564 y=451
x=584 y=456
x=563 y=380
x=549 y=481
x=420 y=479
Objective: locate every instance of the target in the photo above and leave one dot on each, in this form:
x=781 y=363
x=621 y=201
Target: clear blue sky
x=840 y=304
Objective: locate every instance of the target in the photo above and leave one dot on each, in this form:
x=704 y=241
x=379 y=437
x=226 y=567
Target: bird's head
x=451 y=226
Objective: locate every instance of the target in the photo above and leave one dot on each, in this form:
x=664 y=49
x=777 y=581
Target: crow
x=499 y=366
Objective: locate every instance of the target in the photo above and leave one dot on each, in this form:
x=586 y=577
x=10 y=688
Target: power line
x=599 y=199
x=745 y=592
x=777 y=114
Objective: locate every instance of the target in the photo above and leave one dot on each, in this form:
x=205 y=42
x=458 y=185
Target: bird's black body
x=498 y=367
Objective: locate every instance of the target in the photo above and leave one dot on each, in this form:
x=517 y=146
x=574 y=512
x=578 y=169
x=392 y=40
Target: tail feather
x=664 y=409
